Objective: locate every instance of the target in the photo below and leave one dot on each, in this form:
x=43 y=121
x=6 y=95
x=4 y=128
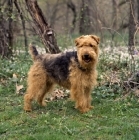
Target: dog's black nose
x=86 y=55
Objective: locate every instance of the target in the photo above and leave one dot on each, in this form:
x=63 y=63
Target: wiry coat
x=74 y=70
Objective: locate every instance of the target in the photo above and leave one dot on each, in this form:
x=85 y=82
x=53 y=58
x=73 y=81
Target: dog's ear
x=96 y=38
x=77 y=40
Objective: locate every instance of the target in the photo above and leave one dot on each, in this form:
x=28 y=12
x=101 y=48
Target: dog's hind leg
x=27 y=101
x=35 y=91
x=36 y=85
x=43 y=92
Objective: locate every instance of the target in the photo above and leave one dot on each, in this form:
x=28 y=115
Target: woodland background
x=69 y=18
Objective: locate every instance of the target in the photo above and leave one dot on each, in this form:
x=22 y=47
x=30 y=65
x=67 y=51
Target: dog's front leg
x=81 y=99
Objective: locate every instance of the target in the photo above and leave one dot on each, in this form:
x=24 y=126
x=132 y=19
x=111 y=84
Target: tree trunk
x=10 y=28
x=115 y=14
x=23 y=23
x=42 y=28
x=132 y=26
x=72 y=6
x=6 y=33
x=138 y=9
x=85 y=23
x=3 y=41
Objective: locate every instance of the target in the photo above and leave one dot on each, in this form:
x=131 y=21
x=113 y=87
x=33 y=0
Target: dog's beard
x=89 y=58
x=86 y=58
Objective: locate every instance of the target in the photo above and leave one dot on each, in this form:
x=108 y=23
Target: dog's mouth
x=87 y=58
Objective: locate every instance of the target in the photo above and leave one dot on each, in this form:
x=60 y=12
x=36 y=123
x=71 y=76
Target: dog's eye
x=80 y=46
x=91 y=45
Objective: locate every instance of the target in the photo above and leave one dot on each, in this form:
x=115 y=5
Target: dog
x=73 y=70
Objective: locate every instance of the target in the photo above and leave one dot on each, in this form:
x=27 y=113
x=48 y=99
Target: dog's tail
x=33 y=51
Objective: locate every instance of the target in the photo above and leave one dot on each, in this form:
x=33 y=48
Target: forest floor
x=116 y=108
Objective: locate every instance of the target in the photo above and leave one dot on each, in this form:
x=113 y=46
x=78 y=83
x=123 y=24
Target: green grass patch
x=109 y=119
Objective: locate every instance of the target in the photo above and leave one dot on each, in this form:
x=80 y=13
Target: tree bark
x=3 y=41
x=115 y=14
x=138 y=9
x=85 y=22
x=10 y=28
x=42 y=28
x=72 y=6
x=6 y=33
x=132 y=26
x=23 y=23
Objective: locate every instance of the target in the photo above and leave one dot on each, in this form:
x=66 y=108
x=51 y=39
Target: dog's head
x=87 y=49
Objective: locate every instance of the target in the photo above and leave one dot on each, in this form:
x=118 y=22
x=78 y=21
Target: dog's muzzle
x=87 y=58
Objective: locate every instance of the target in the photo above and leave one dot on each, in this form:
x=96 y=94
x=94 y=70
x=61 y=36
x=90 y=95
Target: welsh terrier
x=74 y=70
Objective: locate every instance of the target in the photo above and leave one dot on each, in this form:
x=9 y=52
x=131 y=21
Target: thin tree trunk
x=72 y=6
x=10 y=30
x=85 y=23
x=138 y=9
x=23 y=23
x=2 y=33
x=42 y=28
x=115 y=14
x=3 y=41
x=132 y=26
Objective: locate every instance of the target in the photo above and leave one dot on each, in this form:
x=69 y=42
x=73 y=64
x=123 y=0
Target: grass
x=113 y=118
x=59 y=120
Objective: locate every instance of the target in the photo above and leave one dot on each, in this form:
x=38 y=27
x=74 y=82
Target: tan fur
x=81 y=79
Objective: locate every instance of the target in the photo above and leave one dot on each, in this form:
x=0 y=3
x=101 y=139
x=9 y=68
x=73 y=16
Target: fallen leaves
x=18 y=87
x=58 y=94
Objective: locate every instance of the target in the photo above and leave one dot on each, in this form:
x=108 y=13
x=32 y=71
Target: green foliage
x=18 y=66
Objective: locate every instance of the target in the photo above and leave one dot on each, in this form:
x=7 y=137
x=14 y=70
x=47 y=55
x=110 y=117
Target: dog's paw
x=27 y=109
